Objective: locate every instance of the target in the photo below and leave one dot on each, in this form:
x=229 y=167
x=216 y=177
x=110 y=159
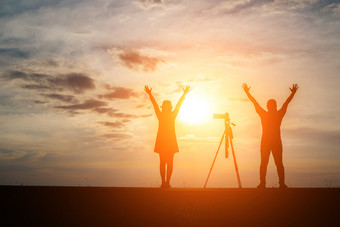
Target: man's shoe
x=163 y=185
x=167 y=185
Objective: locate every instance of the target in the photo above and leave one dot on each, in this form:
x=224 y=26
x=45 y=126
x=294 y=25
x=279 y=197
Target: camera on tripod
x=227 y=123
x=228 y=140
x=221 y=116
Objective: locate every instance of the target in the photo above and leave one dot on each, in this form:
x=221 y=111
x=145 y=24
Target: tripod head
x=225 y=117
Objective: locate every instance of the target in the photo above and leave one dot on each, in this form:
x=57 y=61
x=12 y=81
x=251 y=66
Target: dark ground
x=104 y=206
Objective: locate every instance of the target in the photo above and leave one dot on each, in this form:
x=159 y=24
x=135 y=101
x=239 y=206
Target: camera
x=221 y=116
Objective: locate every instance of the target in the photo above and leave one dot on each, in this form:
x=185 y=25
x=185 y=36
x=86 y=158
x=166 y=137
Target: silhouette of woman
x=166 y=142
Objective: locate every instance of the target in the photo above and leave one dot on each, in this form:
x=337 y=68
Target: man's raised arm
x=293 y=89
x=258 y=108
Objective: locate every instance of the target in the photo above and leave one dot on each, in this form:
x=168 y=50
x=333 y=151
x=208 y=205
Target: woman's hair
x=167 y=105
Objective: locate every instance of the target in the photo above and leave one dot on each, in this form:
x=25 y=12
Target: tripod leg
x=237 y=174
x=225 y=131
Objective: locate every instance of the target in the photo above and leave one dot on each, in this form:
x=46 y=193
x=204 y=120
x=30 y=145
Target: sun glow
x=195 y=109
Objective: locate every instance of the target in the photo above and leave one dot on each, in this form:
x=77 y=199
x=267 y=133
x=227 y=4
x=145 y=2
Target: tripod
x=228 y=136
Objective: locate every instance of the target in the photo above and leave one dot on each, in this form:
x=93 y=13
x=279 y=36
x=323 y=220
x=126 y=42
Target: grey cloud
x=315 y=7
x=103 y=109
x=116 y=124
x=19 y=155
x=6 y=151
x=51 y=63
x=119 y=93
x=5 y=100
x=39 y=102
x=121 y=115
x=117 y=136
x=304 y=5
x=64 y=98
x=16 y=7
x=76 y=82
x=87 y=104
x=12 y=41
x=231 y=7
x=137 y=61
x=14 y=52
x=115 y=113
x=14 y=74
x=29 y=155
x=36 y=87
x=148 y=4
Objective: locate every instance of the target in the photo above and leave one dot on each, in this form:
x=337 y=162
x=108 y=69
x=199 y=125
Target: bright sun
x=194 y=110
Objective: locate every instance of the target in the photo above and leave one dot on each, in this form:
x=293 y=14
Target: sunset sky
x=73 y=110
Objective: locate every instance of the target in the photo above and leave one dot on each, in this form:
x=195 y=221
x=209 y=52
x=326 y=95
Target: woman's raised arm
x=153 y=101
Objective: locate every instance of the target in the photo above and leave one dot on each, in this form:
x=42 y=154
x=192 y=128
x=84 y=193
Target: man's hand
x=245 y=87
x=294 y=88
x=186 y=90
x=148 y=90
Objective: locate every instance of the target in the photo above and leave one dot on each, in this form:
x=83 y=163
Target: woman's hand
x=186 y=90
x=148 y=90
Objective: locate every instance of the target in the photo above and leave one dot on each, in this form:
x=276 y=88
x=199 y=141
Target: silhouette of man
x=166 y=142
x=271 y=135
